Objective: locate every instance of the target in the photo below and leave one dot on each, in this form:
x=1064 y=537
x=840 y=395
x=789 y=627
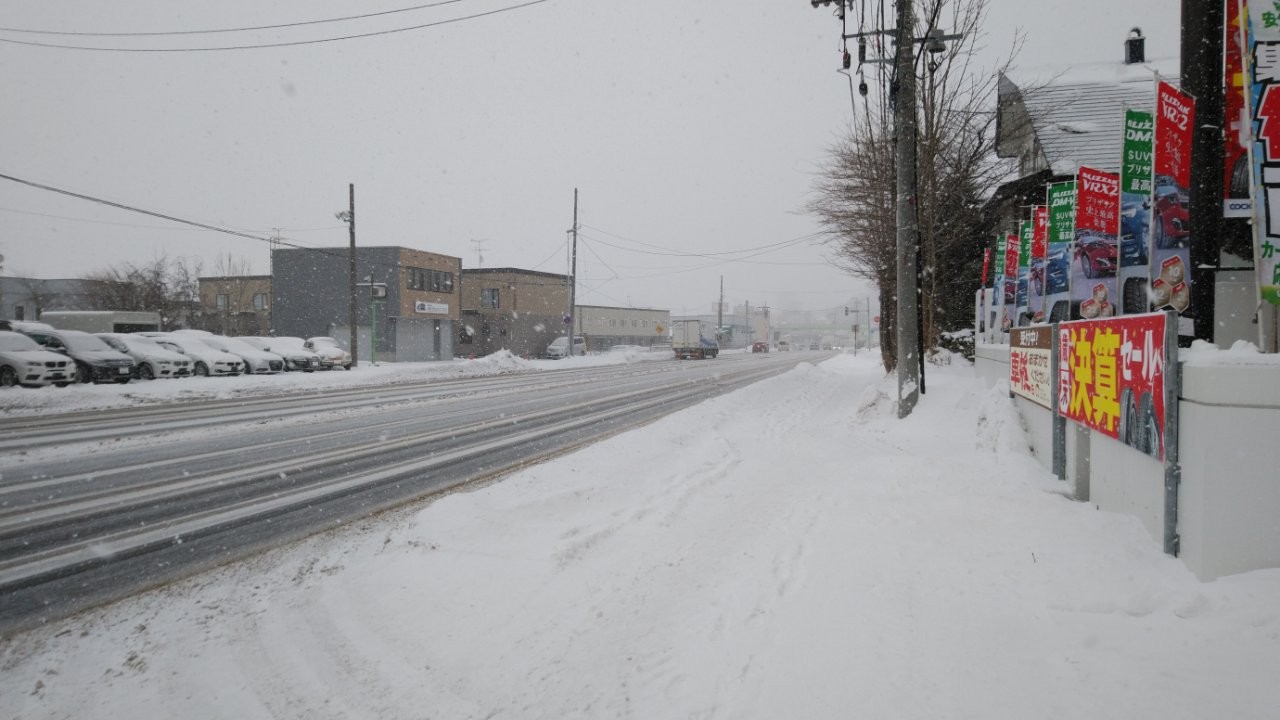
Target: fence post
x=1172 y=469
x=1059 y=420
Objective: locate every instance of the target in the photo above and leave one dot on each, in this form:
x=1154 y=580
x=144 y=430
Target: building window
x=429 y=280
x=19 y=312
x=489 y=298
x=222 y=301
x=259 y=301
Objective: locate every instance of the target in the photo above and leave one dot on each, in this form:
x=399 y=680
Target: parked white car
x=331 y=353
x=296 y=357
x=153 y=360
x=559 y=348
x=257 y=362
x=205 y=360
x=24 y=362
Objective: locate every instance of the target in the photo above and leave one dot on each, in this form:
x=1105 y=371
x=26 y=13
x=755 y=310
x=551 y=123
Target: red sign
x=1097 y=201
x=1175 y=115
x=1039 y=232
x=1111 y=378
x=1237 y=137
x=1012 y=254
x=986 y=265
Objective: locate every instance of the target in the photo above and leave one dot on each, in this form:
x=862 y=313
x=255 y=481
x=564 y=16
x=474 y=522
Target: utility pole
x=720 y=311
x=350 y=217
x=904 y=119
x=573 y=270
x=1201 y=71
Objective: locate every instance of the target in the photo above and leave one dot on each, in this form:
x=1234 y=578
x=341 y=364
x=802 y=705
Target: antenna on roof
x=1134 y=47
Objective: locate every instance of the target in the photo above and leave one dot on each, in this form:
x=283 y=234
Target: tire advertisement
x=1264 y=106
x=1039 y=260
x=1237 y=190
x=1024 y=273
x=997 y=284
x=1111 y=376
x=1170 y=199
x=1135 y=212
x=1094 y=262
x=1061 y=235
x=1012 y=252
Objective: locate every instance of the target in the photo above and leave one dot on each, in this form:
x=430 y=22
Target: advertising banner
x=1237 y=198
x=997 y=284
x=1170 y=199
x=1039 y=259
x=1263 y=40
x=1061 y=199
x=1024 y=273
x=1097 y=215
x=1012 y=253
x=1111 y=376
x=1135 y=211
x=1030 y=372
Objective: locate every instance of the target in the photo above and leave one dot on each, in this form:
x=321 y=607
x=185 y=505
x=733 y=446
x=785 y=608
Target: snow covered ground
x=790 y=550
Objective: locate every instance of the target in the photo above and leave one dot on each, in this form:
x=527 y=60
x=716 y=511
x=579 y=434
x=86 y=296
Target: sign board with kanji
x=1263 y=62
x=1111 y=376
x=1096 y=251
x=1171 y=199
x=1030 y=364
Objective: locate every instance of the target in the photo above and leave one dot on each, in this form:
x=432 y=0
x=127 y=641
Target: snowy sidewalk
x=790 y=550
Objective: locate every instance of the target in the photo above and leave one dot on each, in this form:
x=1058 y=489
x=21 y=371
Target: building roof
x=1074 y=117
x=513 y=271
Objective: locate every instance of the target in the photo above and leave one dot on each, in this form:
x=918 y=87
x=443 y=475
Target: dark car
x=1056 y=267
x=95 y=360
x=1169 y=213
x=1097 y=255
x=1134 y=223
x=759 y=347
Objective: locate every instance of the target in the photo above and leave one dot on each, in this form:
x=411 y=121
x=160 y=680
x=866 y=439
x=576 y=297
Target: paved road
x=135 y=498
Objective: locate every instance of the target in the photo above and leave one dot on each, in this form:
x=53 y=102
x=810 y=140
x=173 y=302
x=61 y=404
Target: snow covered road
x=787 y=550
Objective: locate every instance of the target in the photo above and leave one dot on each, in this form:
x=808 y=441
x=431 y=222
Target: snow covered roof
x=1062 y=120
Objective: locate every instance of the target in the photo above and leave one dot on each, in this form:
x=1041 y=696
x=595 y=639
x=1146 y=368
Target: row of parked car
x=35 y=354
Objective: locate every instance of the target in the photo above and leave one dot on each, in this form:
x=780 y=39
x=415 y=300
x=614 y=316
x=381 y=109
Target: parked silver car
x=331 y=353
x=24 y=362
x=95 y=361
x=153 y=360
x=205 y=360
x=296 y=357
x=257 y=362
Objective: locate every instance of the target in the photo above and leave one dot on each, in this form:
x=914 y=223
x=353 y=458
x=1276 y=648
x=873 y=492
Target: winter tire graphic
x=1150 y=427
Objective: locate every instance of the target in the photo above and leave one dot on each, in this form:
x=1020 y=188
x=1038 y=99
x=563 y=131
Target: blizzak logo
x=1065 y=200
x=1174 y=109
x=1138 y=135
x=1102 y=185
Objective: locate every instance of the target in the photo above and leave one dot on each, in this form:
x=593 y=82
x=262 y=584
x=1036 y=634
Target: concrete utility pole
x=1201 y=71
x=351 y=270
x=573 y=271
x=904 y=118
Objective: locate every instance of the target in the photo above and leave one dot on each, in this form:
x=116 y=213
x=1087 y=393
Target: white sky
x=694 y=126
x=788 y=550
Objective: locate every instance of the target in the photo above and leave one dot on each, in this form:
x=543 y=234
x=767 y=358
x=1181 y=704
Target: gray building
x=25 y=298
x=415 y=321
x=604 y=326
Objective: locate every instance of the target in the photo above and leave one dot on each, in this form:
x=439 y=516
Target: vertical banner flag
x=1170 y=199
x=1012 y=252
x=1135 y=212
x=986 y=266
x=1057 y=269
x=1024 y=271
x=1236 y=196
x=1263 y=40
x=1039 y=258
x=997 y=283
x=1097 y=211
x=1111 y=378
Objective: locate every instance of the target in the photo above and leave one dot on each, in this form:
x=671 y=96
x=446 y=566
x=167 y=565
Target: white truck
x=693 y=339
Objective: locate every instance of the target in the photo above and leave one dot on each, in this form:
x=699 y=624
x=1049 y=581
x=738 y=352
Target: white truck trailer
x=693 y=339
x=103 y=321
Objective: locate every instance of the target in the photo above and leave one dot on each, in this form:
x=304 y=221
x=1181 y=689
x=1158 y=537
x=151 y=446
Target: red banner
x=1012 y=254
x=1097 y=201
x=1111 y=378
x=1175 y=115
x=986 y=265
x=1039 y=232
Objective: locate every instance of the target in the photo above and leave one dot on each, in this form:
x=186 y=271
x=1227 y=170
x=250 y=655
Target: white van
x=559 y=347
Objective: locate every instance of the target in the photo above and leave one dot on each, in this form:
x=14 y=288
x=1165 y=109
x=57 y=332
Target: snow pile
x=785 y=551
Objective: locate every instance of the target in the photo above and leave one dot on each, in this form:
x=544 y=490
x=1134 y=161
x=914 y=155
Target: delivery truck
x=693 y=339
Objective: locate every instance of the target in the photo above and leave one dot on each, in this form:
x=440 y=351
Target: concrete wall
x=1229 y=499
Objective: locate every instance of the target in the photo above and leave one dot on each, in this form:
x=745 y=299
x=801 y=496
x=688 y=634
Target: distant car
x=759 y=347
x=1097 y=255
x=559 y=348
x=813 y=346
x=331 y=353
x=296 y=357
x=95 y=361
x=205 y=360
x=784 y=346
x=24 y=362
x=152 y=359
x=256 y=362
x=1170 y=214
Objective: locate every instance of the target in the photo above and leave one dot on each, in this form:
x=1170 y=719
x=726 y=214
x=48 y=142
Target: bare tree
x=957 y=169
x=167 y=286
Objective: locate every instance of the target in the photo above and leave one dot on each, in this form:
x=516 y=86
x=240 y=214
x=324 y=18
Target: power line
x=677 y=253
x=278 y=44
x=146 y=227
x=227 y=30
